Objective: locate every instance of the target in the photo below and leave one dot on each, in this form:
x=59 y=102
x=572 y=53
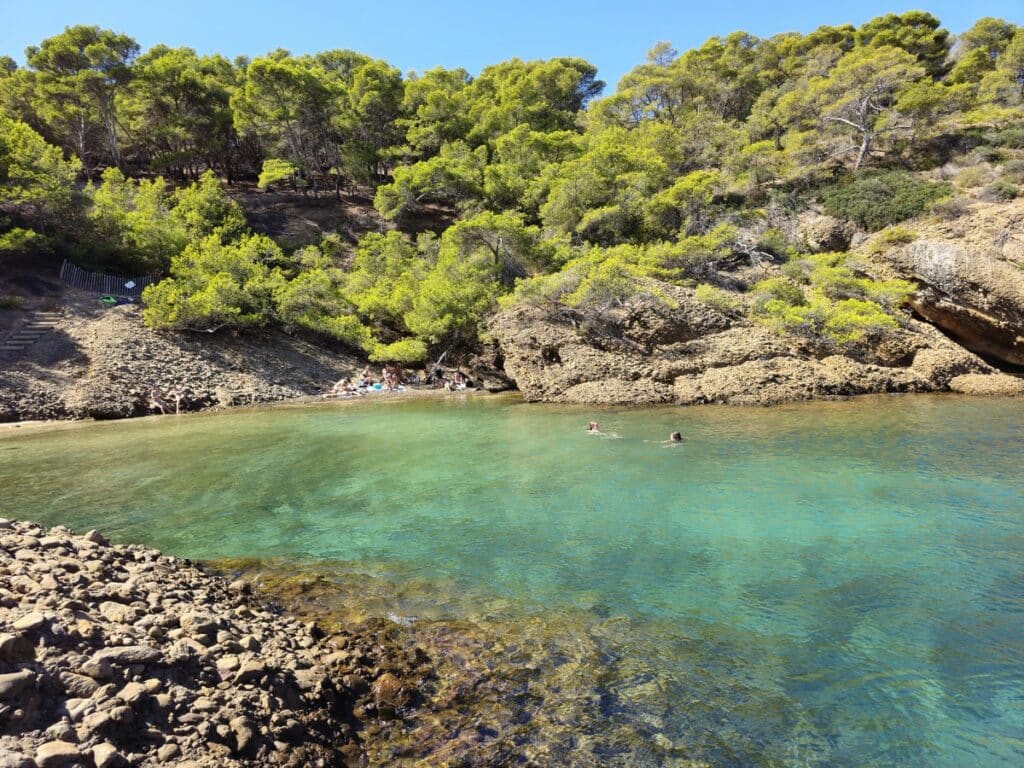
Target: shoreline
x=306 y=401
x=294 y=402
x=114 y=655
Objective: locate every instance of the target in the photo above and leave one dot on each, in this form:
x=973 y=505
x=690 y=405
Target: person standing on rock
x=178 y=395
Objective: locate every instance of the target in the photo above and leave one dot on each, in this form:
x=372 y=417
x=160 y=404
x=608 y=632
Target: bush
x=1012 y=138
x=10 y=301
x=841 y=322
x=1013 y=172
x=724 y=301
x=1002 y=190
x=949 y=210
x=838 y=306
x=313 y=300
x=215 y=284
x=773 y=241
x=876 y=200
x=973 y=176
x=894 y=236
x=19 y=240
x=776 y=289
x=404 y=352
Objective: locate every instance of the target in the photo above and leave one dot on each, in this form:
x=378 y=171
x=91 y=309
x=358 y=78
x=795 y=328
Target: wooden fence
x=112 y=285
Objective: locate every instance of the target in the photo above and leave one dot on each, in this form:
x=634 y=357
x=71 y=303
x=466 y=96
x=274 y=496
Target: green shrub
x=841 y=322
x=774 y=242
x=838 y=306
x=404 y=352
x=20 y=240
x=1013 y=172
x=1002 y=189
x=214 y=285
x=1012 y=138
x=894 y=236
x=313 y=300
x=972 y=176
x=11 y=301
x=275 y=170
x=715 y=297
x=951 y=209
x=776 y=289
x=876 y=200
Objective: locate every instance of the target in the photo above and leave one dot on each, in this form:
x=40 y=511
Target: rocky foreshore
x=119 y=655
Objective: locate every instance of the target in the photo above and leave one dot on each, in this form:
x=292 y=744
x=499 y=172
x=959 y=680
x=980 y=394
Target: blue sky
x=420 y=34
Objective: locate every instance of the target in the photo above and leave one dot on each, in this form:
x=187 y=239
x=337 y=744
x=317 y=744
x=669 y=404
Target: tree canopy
x=533 y=182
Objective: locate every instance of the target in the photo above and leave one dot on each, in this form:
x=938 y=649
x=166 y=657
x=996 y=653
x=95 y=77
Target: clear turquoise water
x=831 y=584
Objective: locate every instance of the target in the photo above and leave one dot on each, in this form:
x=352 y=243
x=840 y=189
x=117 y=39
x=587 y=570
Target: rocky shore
x=118 y=655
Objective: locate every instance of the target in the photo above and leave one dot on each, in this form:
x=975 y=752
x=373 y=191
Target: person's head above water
x=676 y=437
x=593 y=427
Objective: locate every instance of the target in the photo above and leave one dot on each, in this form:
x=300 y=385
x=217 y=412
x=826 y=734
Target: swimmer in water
x=676 y=438
x=594 y=428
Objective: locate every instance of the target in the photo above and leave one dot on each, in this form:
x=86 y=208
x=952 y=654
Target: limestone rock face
x=977 y=299
x=687 y=353
x=971 y=279
x=999 y=385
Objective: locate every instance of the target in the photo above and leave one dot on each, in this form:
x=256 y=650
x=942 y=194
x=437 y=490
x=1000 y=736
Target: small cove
x=824 y=584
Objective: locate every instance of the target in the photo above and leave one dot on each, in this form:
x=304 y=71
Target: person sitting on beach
x=157 y=400
x=457 y=382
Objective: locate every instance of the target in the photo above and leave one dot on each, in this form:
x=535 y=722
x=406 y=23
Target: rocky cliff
x=970 y=306
x=970 y=274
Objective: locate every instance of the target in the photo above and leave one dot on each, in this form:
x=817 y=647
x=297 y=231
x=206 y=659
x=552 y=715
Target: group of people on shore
x=161 y=401
x=391 y=379
x=675 y=438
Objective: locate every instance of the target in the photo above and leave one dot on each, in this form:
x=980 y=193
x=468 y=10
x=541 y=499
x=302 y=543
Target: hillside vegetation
x=544 y=193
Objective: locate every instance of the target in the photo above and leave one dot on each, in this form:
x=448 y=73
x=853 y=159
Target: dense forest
x=539 y=188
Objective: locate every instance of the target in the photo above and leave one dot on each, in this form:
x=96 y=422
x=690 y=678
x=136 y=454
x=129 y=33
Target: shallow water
x=824 y=584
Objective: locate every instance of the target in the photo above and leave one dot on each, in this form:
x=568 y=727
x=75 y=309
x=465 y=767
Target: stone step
x=10 y=348
x=48 y=314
